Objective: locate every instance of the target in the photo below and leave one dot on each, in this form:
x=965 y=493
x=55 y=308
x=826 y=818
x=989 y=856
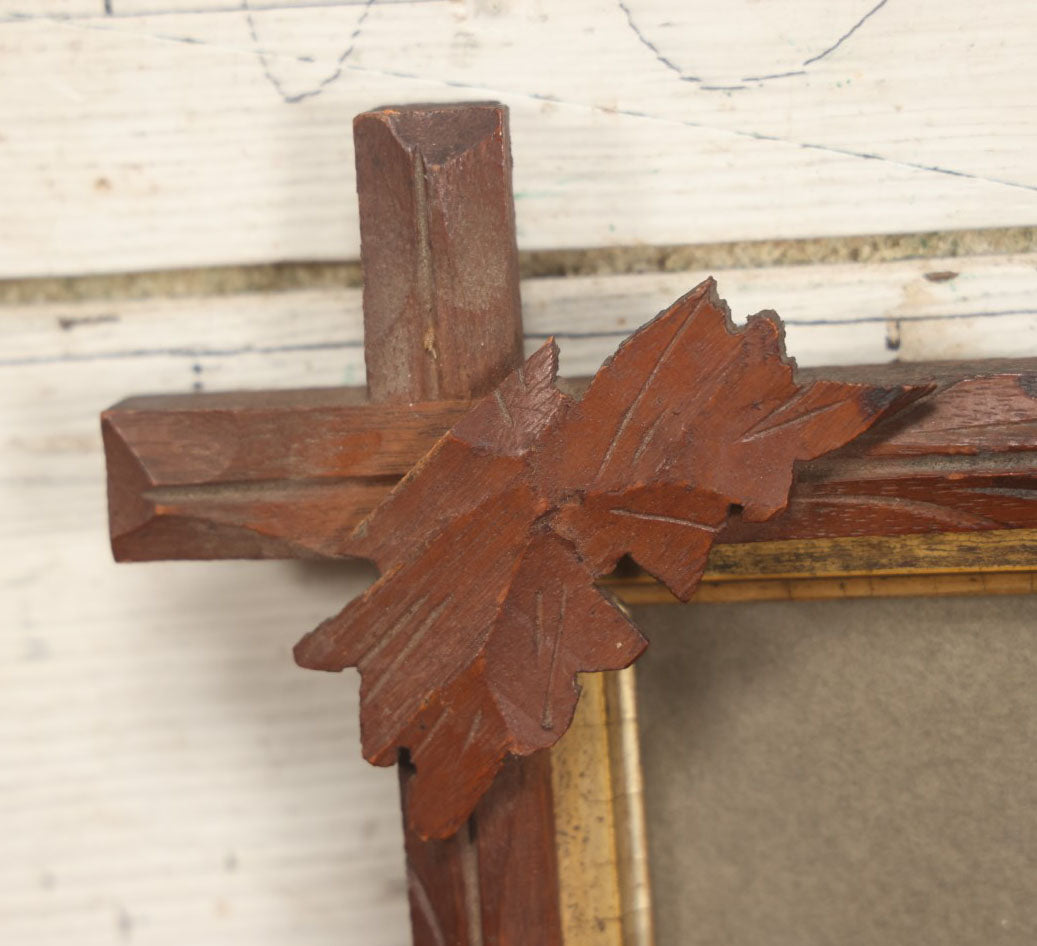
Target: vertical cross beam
x=442 y=319
x=442 y=316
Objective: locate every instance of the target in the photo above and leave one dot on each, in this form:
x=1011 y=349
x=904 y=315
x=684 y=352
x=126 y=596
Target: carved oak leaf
x=469 y=644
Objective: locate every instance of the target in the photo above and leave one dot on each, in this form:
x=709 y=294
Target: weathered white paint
x=28 y=9
x=158 y=137
x=167 y=776
x=835 y=314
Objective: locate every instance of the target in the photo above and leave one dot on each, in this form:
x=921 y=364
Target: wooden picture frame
x=567 y=855
x=936 y=497
x=603 y=847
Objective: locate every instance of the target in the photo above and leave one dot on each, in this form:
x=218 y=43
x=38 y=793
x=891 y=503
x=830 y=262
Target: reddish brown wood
x=961 y=460
x=517 y=859
x=279 y=474
x=437 y=230
x=442 y=882
x=495 y=881
x=463 y=666
x=233 y=475
x=443 y=318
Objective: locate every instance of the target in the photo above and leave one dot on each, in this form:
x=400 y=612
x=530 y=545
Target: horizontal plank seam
x=633 y=260
x=881 y=319
x=191 y=352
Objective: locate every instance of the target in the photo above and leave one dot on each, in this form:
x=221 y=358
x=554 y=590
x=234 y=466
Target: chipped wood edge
x=599 y=818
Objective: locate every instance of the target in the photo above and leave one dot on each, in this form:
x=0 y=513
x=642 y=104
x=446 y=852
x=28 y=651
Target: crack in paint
x=684 y=77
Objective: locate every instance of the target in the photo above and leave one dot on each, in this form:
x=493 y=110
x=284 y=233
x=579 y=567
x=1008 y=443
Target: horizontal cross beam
x=289 y=473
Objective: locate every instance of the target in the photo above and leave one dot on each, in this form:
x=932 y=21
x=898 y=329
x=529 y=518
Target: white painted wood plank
x=166 y=775
x=224 y=137
x=126 y=8
x=955 y=339
x=33 y=9
x=835 y=314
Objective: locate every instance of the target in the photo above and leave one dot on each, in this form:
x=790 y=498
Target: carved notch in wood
x=486 y=609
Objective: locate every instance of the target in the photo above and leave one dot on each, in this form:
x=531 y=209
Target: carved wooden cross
x=489 y=549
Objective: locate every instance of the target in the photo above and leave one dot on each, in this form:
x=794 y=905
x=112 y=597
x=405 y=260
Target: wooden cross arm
x=285 y=474
x=273 y=474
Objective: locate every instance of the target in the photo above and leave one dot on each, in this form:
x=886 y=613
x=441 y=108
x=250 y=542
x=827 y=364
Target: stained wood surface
x=546 y=493
x=517 y=855
x=940 y=466
x=442 y=882
x=442 y=318
x=963 y=461
x=126 y=146
x=200 y=132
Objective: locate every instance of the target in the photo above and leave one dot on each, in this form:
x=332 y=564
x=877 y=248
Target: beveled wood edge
x=854 y=586
x=585 y=830
x=604 y=889
x=631 y=833
x=1002 y=561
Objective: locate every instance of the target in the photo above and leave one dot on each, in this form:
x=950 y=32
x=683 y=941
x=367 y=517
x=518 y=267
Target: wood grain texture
x=495 y=881
x=938 y=467
x=442 y=882
x=442 y=316
x=898 y=479
x=168 y=774
x=128 y=144
x=517 y=856
x=547 y=493
x=164 y=139
x=286 y=481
